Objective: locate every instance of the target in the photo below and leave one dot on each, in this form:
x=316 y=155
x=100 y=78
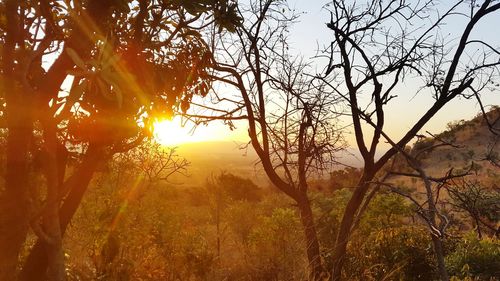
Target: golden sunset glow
x=170 y=132
x=249 y=140
x=174 y=132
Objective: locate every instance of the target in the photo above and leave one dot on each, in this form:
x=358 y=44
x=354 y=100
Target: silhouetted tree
x=129 y=62
x=375 y=47
x=427 y=208
x=290 y=122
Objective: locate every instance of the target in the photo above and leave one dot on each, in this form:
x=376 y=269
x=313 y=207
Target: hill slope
x=469 y=142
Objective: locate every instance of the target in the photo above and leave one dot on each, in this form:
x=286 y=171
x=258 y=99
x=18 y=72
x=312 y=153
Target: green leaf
x=103 y=88
x=114 y=80
x=76 y=92
x=75 y=58
x=110 y=59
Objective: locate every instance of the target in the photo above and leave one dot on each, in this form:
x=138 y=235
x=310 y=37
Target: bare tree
x=290 y=121
x=427 y=207
x=378 y=45
x=154 y=161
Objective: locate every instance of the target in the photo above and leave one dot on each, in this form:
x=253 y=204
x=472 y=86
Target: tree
x=290 y=122
x=370 y=56
x=435 y=219
x=344 y=178
x=134 y=173
x=154 y=162
x=224 y=188
x=479 y=202
x=129 y=62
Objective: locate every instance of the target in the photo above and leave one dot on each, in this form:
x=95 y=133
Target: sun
x=174 y=132
x=171 y=133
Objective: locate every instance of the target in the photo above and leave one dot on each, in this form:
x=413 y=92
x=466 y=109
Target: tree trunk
x=478 y=226
x=217 y=218
x=53 y=250
x=35 y=266
x=312 y=248
x=51 y=224
x=14 y=199
x=431 y=220
x=439 y=252
x=346 y=226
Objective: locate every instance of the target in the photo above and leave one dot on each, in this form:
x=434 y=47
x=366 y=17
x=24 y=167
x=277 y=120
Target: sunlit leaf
x=76 y=92
x=75 y=58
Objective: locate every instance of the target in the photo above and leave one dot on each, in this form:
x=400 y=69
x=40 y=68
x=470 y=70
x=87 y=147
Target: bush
x=477 y=258
x=395 y=253
x=423 y=144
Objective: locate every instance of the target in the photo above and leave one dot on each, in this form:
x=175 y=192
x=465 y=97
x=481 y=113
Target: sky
x=405 y=110
x=311 y=32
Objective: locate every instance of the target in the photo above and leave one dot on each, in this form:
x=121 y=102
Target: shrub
x=474 y=257
x=423 y=144
x=395 y=253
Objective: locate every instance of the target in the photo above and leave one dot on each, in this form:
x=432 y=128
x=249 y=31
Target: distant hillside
x=213 y=157
x=472 y=141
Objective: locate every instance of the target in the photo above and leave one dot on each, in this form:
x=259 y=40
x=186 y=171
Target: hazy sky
x=311 y=32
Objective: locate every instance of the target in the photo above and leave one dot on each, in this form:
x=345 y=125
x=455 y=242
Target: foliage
x=370 y=56
x=344 y=178
x=423 y=144
x=127 y=63
x=386 y=210
x=328 y=209
x=260 y=240
x=398 y=253
x=242 y=219
x=477 y=201
x=275 y=246
x=474 y=257
x=91 y=76
x=234 y=187
x=386 y=245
